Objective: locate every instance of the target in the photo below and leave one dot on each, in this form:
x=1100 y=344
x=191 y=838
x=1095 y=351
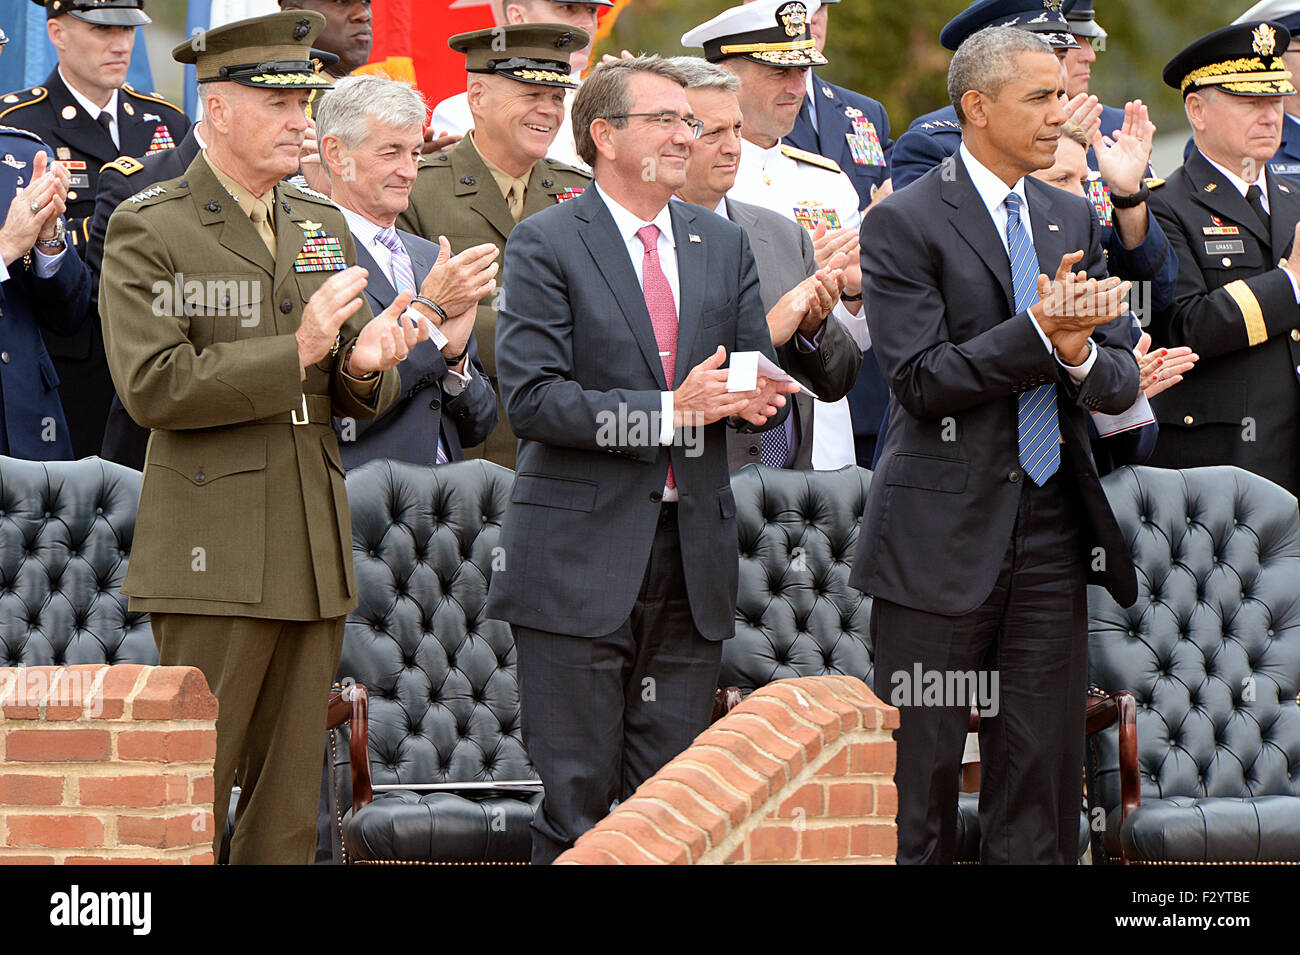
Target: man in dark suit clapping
x=371 y=134
x=621 y=560
x=986 y=518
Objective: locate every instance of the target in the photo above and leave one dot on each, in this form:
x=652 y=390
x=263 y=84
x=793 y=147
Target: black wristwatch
x=851 y=298
x=453 y=362
x=1129 y=202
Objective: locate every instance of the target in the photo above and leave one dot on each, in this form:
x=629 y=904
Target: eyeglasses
x=667 y=120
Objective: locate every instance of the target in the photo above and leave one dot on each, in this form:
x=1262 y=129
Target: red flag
x=411 y=42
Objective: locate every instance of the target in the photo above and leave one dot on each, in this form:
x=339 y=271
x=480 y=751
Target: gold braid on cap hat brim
x=545 y=76
x=1250 y=69
x=729 y=48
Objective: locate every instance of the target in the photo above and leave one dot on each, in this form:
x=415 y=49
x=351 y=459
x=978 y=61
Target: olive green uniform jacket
x=243 y=509
x=455 y=195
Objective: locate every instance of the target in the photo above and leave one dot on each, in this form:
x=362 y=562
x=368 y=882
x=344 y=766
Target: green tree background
x=890 y=50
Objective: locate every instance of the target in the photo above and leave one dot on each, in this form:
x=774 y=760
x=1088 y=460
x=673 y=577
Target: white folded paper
x=1137 y=416
x=746 y=366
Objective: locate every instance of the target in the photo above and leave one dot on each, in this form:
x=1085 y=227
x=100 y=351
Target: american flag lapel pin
x=1053 y=228
x=695 y=238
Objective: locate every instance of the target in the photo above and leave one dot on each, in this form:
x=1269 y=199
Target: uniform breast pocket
x=202 y=518
x=220 y=306
x=1228 y=255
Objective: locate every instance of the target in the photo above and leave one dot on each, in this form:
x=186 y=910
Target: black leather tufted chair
x=65 y=542
x=1211 y=652
x=451 y=781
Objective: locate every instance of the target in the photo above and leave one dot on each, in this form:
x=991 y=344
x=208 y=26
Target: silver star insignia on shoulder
x=148 y=194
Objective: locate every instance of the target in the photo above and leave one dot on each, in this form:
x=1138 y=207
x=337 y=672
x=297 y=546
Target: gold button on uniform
x=1295 y=334
x=1188 y=420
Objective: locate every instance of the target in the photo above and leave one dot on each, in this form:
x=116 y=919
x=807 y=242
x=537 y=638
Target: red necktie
x=663 y=311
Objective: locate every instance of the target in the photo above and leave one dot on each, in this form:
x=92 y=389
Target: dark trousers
x=272 y=680
x=1032 y=632
x=601 y=715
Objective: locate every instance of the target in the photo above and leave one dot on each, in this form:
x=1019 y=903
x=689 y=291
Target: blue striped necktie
x=1040 y=432
x=403 y=274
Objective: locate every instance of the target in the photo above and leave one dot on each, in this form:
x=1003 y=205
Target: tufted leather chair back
x=1211 y=649
x=444 y=696
x=65 y=541
x=796 y=614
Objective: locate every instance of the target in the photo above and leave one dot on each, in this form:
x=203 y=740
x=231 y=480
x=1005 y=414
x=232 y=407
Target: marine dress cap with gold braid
x=108 y=13
x=771 y=32
x=536 y=53
x=271 y=52
x=1244 y=59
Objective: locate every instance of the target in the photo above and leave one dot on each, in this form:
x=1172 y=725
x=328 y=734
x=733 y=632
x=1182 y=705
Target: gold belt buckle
x=293 y=415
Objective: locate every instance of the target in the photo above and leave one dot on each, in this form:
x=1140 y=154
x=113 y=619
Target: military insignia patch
x=321 y=252
x=564 y=195
x=864 y=143
x=150 y=193
x=1265 y=39
x=808 y=214
x=9 y=160
x=162 y=139
x=1221 y=230
x=73 y=165
x=794 y=17
x=1099 y=196
x=128 y=109
x=63 y=153
x=151 y=118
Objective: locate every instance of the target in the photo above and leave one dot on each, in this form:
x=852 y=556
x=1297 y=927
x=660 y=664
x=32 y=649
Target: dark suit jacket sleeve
x=912 y=156
x=1212 y=322
x=752 y=331
x=534 y=352
x=474 y=410
x=61 y=302
x=832 y=368
x=930 y=375
x=1151 y=261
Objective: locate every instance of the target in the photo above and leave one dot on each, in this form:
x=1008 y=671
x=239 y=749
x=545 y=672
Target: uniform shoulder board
x=307 y=190
x=817 y=160
x=155 y=193
x=564 y=167
x=1154 y=182
x=123 y=164
x=25 y=133
x=152 y=98
x=18 y=100
x=434 y=159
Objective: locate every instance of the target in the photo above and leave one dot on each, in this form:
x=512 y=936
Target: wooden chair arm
x=724 y=701
x=350 y=704
x=1130 y=784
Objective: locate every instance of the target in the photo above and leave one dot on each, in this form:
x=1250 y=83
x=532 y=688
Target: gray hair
x=343 y=111
x=988 y=60
x=604 y=94
x=699 y=74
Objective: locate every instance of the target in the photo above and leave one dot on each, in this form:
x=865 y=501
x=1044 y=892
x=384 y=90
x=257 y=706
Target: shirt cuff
x=855 y=324
x=666 y=418
x=4 y=271
x=1079 y=372
x=47 y=265
x=454 y=383
x=806 y=345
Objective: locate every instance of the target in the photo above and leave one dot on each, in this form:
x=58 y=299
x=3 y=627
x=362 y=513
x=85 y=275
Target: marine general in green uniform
x=499 y=173
x=234 y=330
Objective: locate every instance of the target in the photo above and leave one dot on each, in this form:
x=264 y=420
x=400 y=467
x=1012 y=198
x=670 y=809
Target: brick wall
x=801 y=771
x=106 y=765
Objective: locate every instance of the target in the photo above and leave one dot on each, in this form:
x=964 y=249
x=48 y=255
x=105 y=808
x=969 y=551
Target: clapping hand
x=1071 y=305
x=460 y=282
x=35 y=209
x=1163 y=368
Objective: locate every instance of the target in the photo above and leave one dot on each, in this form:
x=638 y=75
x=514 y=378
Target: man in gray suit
x=810 y=343
x=371 y=135
x=621 y=561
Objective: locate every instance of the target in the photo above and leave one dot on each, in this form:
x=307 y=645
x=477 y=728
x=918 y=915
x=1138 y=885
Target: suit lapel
x=216 y=206
x=80 y=131
x=289 y=235
x=1044 y=213
x=378 y=289
x=421 y=263
x=1214 y=191
x=131 y=131
x=601 y=237
x=691 y=271
x=970 y=217
x=471 y=176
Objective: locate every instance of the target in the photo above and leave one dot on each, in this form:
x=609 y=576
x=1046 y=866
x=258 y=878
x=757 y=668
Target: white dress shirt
x=110 y=108
x=812 y=102
x=994 y=192
x=628 y=224
x=1241 y=185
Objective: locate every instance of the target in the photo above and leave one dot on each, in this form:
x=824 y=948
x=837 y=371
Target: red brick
x=27 y=691
x=201 y=790
x=770 y=843
x=837 y=765
x=117 y=686
x=617 y=845
x=829 y=722
x=22 y=790
x=122 y=791
x=57 y=745
x=164 y=832
x=851 y=716
x=743 y=748
x=202 y=858
x=586 y=855
x=703 y=815
x=845 y=799
x=729 y=768
x=784 y=722
x=27 y=860
x=886 y=800
x=737 y=855
x=868 y=841
x=830 y=842
x=172 y=746
x=71 y=697
x=56 y=832
x=122 y=860
x=694 y=838
x=735 y=806
x=638 y=830
x=760 y=732
x=807 y=797
x=175 y=693
x=876 y=758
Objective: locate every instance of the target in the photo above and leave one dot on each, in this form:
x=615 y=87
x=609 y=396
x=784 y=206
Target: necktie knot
x=1013 y=205
x=649 y=236
x=105 y=119
x=390 y=240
